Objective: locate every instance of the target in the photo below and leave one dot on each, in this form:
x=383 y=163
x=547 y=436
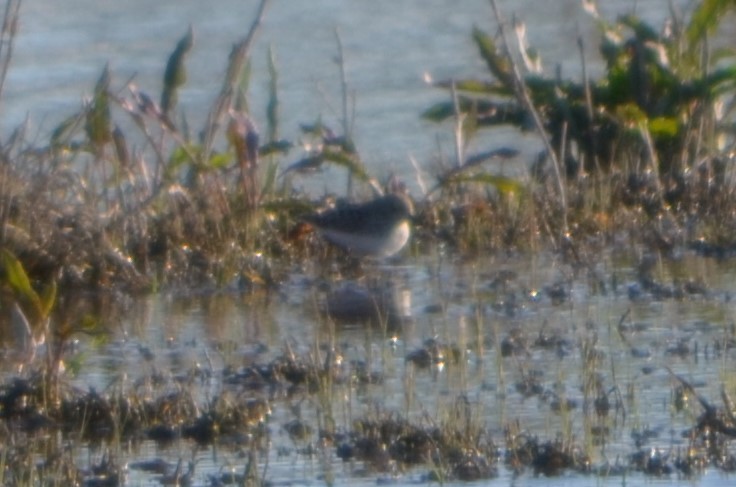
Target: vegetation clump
x=640 y=150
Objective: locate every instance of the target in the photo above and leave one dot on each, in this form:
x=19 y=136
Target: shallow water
x=475 y=306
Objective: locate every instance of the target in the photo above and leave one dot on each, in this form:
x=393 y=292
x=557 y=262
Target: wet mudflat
x=419 y=370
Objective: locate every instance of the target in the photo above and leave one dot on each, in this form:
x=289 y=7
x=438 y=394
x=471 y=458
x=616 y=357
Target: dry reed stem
x=523 y=95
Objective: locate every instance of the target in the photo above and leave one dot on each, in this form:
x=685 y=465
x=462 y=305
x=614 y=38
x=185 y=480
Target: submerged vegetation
x=645 y=153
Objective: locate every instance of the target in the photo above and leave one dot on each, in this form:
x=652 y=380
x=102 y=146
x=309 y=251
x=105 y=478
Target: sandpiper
x=378 y=228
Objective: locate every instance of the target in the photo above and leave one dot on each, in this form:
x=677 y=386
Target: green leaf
x=719 y=54
x=48 y=299
x=90 y=325
x=546 y=90
x=63 y=132
x=178 y=158
x=17 y=279
x=183 y=156
x=470 y=123
x=441 y=111
x=73 y=364
x=316 y=129
x=282 y=146
x=719 y=77
x=642 y=30
x=306 y=164
x=631 y=113
x=269 y=181
x=661 y=127
x=121 y=147
x=241 y=98
x=499 y=65
x=272 y=109
x=502 y=153
x=347 y=161
x=175 y=74
x=220 y=161
x=706 y=18
x=503 y=184
x=475 y=87
x=98 y=115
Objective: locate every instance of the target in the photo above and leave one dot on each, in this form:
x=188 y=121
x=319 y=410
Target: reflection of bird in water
x=383 y=303
x=379 y=228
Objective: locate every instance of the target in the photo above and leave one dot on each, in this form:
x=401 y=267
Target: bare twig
x=7 y=41
x=346 y=119
x=589 y=104
x=420 y=179
x=523 y=96
x=459 y=118
x=7 y=38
